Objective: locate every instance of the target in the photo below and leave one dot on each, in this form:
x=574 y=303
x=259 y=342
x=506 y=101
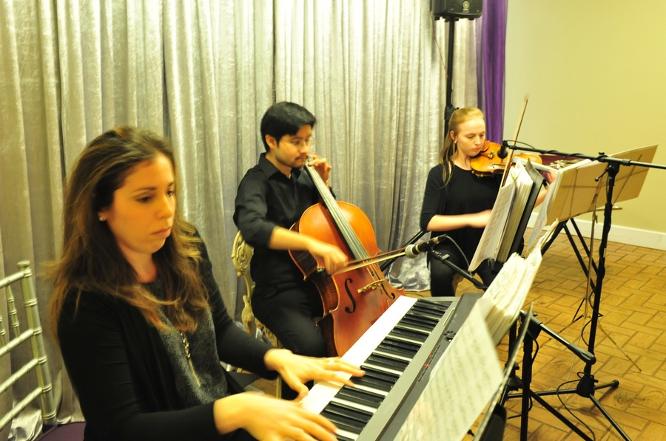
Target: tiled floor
x=630 y=345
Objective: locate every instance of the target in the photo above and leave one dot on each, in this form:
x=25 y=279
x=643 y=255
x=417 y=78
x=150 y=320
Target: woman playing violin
x=457 y=201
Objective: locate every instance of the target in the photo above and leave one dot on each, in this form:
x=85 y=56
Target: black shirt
x=465 y=193
x=266 y=198
x=122 y=374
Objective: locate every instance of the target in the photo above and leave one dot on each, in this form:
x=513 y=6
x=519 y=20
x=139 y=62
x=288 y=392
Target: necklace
x=188 y=356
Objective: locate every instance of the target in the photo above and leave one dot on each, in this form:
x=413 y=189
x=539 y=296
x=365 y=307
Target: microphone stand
x=386 y=264
x=444 y=258
x=587 y=384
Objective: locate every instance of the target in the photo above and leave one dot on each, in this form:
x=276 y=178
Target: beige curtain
x=374 y=74
x=203 y=72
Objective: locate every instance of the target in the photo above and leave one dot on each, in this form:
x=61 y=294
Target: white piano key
x=322 y=393
x=346 y=434
x=383 y=369
x=353 y=404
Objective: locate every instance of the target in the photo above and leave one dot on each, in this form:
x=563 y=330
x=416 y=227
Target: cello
x=351 y=300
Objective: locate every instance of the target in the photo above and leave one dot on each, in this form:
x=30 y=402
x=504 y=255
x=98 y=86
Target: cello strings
x=351 y=239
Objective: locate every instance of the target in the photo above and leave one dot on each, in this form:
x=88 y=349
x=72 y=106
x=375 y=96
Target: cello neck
x=346 y=231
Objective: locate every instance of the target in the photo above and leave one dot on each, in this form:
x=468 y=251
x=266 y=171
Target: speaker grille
x=456 y=8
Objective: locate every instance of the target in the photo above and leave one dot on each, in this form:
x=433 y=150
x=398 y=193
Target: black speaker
x=456 y=8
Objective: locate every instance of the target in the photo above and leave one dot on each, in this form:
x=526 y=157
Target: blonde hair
x=92 y=263
x=449 y=148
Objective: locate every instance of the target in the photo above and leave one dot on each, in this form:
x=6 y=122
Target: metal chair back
x=13 y=339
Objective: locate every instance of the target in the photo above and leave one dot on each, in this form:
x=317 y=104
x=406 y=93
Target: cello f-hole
x=349 y=310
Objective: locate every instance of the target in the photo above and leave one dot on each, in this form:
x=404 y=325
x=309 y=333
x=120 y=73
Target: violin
x=488 y=161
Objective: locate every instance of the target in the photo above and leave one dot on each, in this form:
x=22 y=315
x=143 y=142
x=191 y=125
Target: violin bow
x=515 y=138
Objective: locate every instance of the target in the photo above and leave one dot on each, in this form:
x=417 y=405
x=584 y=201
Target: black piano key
x=371 y=372
x=416 y=324
x=392 y=339
x=426 y=314
x=347 y=418
x=420 y=322
x=373 y=382
x=342 y=422
x=354 y=413
x=431 y=308
x=396 y=347
x=440 y=306
x=398 y=343
x=360 y=396
x=387 y=362
x=342 y=438
x=406 y=333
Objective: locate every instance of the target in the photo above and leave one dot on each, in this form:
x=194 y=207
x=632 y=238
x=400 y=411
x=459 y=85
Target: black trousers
x=442 y=276
x=291 y=312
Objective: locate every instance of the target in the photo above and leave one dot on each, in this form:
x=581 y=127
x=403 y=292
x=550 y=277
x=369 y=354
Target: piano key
x=399 y=346
x=360 y=396
x=372 y=383
x=343 y=423
x=425 y=315
x=345 y=436
x=387 y=361
x=408 y=324
x=391 y=361
x=346 y=418
x=382 y=368
x=420 y=322
x=371 y=372
x=409 y=334
x=433 y=305
x=353 y=405
x=353 y=413
x=428 y=309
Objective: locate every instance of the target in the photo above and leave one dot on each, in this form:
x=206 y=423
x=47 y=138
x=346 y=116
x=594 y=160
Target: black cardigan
x=120 y=370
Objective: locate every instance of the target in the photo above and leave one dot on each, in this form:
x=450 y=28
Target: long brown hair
x=449 y=147
x=91 y=262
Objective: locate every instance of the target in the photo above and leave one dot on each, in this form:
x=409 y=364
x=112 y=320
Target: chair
x=10 y=344
x=241 y=255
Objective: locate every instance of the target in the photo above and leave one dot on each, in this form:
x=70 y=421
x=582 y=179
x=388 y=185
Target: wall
x=594 y=73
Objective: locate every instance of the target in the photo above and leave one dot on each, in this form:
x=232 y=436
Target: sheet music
x=505 y=217
x=490 y=241
x=524 y=184
x=507 y=293
x=461 y=384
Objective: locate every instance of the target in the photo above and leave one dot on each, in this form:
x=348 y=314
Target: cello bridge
x=371 y=286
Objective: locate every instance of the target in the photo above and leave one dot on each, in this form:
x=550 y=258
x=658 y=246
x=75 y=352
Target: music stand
x=509 y=216
x=491 y=427
x=579 y=191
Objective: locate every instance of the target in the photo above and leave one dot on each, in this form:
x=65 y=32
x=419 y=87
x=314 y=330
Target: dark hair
x=284 y=118
x=91 y=261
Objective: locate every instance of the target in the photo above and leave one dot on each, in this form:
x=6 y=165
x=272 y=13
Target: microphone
x=414 y=250
x=502 y=151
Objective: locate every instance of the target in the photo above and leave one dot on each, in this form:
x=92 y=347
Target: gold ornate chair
x=241 y=255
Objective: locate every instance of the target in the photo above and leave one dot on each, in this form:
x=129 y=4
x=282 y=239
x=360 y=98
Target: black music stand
x=511 y=221
x=579 y=192
x=491 y=427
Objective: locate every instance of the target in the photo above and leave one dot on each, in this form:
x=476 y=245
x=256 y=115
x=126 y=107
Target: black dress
x=464 y=193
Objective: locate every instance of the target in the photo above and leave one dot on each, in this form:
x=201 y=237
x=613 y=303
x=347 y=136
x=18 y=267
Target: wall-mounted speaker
x=456 y=8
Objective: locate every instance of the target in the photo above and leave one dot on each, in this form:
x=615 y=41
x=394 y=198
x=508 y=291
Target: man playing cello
x=271 y=197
